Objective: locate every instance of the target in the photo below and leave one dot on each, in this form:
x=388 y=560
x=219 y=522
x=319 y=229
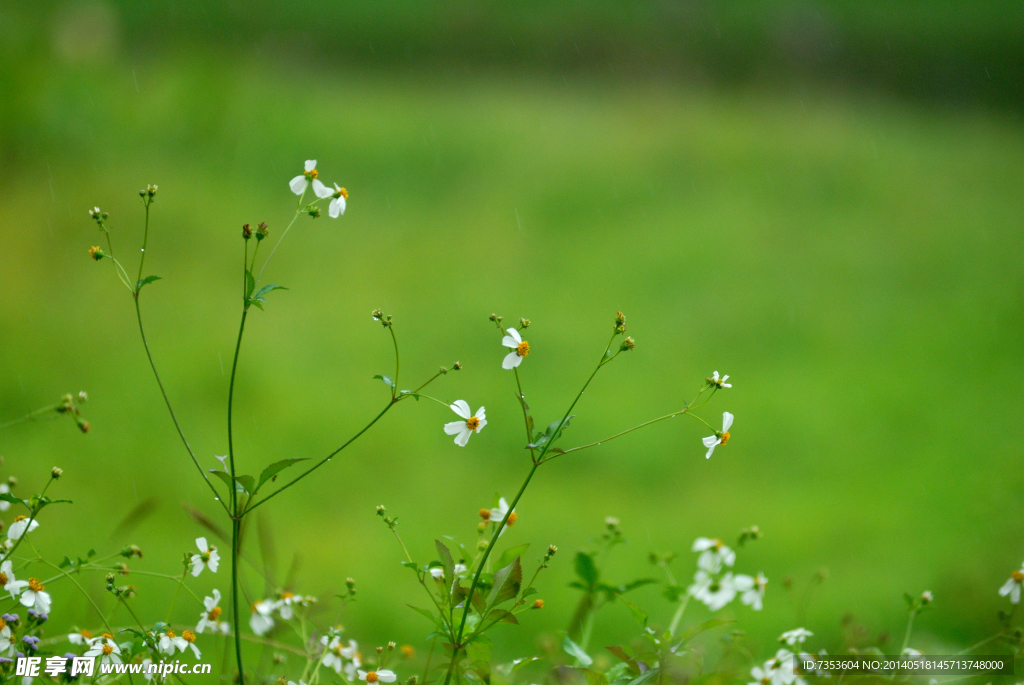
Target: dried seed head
x=246 y=231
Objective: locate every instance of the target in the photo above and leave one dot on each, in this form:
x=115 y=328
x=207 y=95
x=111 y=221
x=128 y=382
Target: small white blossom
x=714 y=553
x=713 y=441
x=751 y=589
x=720 y=382
x=1012 y=586
x=338 y=196
x=780 y=668
x=300 y=183
x=210 y=618
x=83 y=637
x=20 y=526
x=9 y=582
x=382 y=676
x=795 y=637
x=6 y=643
x=498 y=515
x=520 y=348
x=106 y=649
x=4 y=489
x=208 y=557
x=471 y=423
x=35 y=597
x=714 y=592
x=261 y=621
x=337 y=653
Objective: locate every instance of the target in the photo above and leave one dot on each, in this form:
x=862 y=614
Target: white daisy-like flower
x=1012 y=586
x=497 y=515
x=82 y=637
x=339 y=196
x=520 y=348
x=714 y=592
x=720 y=382
x=35 y=598
x=261 y=621
x=9 y=582
x=6 y=643
x=300 y=183
x=208 y=557
x=338 y=653
x=4 y=489
x=751 y=589
x=795 y=637
x=20 y=526
x=438 y=572
x=286 y=602
x=106 y=649
x=382 y=676
x=189 y=638
x=760 y=676
x=170 y=642
x=471 y=423
x=713 y=441
x=780 y=668
x=713 y=554
x=210 y=618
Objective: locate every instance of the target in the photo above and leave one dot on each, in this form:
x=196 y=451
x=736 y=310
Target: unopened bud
x=412 y=679
x=56 y=472
x=457 y=366
x=538 y=604
x=627 y=344
x=84 y=426
x=552 y=550
x=391 y=646
x=83 y=396
x=926 y=597
x=611 y=522
x=381 y=510
x=246 y=231
x=262 y=231
x=96 y=253
x=380 y=650
x=620 y=319
x=350 y=583
x=314 y=212
x=524 y=323
x=492 y=317
x=482 y=545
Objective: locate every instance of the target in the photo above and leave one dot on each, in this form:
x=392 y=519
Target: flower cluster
x=714 y=583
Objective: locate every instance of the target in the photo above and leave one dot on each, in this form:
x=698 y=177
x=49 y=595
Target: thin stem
x=621 y=433
x=678 y=616
x=235 y=517
x=235 y=525
x=28 y=526
x=271 y=255
x=31 y=415
x=170 y=409
x=394 y=381
x=145 y=239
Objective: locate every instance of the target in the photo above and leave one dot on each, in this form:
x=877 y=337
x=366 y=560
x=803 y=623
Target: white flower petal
x=462 y=438
x=726 y=421
x=461 y=407
x=320 y=190
x=310 y=164
x=511 y=360
x=455 y=427
x=298 y=185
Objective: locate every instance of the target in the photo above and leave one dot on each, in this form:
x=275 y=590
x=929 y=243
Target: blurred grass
x=852 y=261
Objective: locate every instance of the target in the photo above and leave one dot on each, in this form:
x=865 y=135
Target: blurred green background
x=822 y=200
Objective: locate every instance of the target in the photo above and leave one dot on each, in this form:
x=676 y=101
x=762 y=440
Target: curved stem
x=170 y=409
x=236 y=521
x=394 y=381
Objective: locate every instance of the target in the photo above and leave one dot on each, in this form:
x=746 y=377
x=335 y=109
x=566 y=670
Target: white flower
x=169 y=642
x=35 y=598
x=4 y=489
x=714 y=553
x=208 y=557
x=8 y=580
x=520 y=348
x=338 y=198
x=438 y=572
x=106 y=649
x=261 y=621
x=383 y=676
x=81 y=638
x=760 y=676
x=300 y=183
x=5 y=638
x=714 y=592
x=211 y=617
x=713 y=441
x=497 y=515
x=720 y=382
x=795 y=637
x=471 y=423
x=752 y=589
x=780 y=668
x=1012 y=586
x=337 y=654
x=20 y=526
x=911 y=652
x=285 y=603
x=189 y=638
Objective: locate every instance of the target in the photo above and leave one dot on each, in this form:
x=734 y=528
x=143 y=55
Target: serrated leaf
x=412 y=565
x=8 y=497
x=248 y=483
x=507 y=582
x=446 y=561
x=577 y=652
x=586 y=569
x=276 y=468
x=511 y=553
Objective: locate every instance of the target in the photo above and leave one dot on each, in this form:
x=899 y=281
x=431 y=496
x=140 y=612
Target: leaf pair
x=248 y=485
x=257 y=298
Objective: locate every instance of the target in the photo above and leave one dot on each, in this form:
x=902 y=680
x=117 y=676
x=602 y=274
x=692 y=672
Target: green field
x=853 y=262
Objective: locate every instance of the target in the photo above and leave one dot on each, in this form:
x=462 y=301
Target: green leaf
x=386 y=380
x=266 y=289
x=145 y=281
x=639 y=615
x=275 y=468
x=411 y=564
x=256 y=303
x=575 y=651
x=511 y=553
x=8 y=497
x=688 y=635
x=525 y=661
x=502 y=616
x=429 y=616
x=629 y=661
x=248 y=483
x=648 y=675
x=586 y=569
x=250 y=284
x=446 y=562
x=240 y=481
x=507 y=582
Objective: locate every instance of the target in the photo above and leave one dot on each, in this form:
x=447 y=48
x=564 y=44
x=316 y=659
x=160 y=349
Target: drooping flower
x=210 y=619
x=20 y=526
x=338 y=196
x=751 y=589
x=520 y=348
x=208 y=557
x=713 y=441
x=1012 y=586
x=795 y=637
x=720 y=382
x=760 y=676
x=382 y=676
x=261 y=621
x=300 y=183
x=6 y=641
x=471 y=423
x=189 y=639
x=714 y=553
x=780 y=668
x=35 y=597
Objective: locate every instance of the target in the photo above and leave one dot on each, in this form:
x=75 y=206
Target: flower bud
x=538 y=604
x=552 y=550
x=151 y=191
x=262 y=231
x=84 y=426
x=620 y=319
x=391 y=646
x=457 y=366
x=381 y=510
x=611 y=522
x=83 y=397
x=246 y=231
x=380 y=650
x=492 y=317
x=926 y=597
x=56 y=472
x=350 y=583
x=314 y=211
x=96 y=253
x=524 y=323
x=627 y=344
x=482 y=545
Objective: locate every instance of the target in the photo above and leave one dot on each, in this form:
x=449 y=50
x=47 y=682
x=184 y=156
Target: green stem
x=236 y=518
x=145 y=240
x=31 y=415
x=678 y=616
x=394 y=381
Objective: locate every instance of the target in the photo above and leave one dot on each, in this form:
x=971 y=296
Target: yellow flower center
x=34 y=585
x=107 y=650
x=3 y=579
x=189 y=636
x=107 y=636
x=719 y=544
x=3 y=624
x=214 y=614
x=512 y=518
x=287 y=595
x=725 y=437
x=18 y=518
x=371 y=677
x=523 y=349
x=485 y=514
x=765 y=681
x=1018 y=576
x=170 y=633
x=341 y=192
x=311 y=174
x=86 y=634
x=472 y=423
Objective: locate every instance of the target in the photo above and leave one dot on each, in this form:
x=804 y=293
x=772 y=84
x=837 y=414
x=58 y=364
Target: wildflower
x=208 y=557
x=338 y=653
x=262 y=231
x=189 y=639
x=20 y=526
x=287 y=600
x=538 y=604
x=498 y=515
x=106 y=649
x=9 y=582
x=246 y=232
x=720 y=382
x=96 y=253
x=35 y=597
x=713 y=441
x=338 y=197
x=780 y=668
x=300 y=183
x=261 y=621
x=520 y=348
x=4 y=489
x=760 y=676
x=714 y=553
x=211 y=617
x=471 y=423
x=1012 y=586
x=926 y=597
x=83 y=637
x=714 y=592
x=795 y=637
x=627 y=344
x=169 y=642
x=752 y=589
x=408 y=651
x=438 y=572
x=383 y=676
